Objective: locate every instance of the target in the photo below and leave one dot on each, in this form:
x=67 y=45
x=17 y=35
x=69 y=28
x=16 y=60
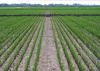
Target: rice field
x=49 y=43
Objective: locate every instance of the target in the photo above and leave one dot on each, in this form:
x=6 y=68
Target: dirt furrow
x=48 y=57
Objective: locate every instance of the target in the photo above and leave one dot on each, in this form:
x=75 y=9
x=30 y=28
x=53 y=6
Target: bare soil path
x=48 y=56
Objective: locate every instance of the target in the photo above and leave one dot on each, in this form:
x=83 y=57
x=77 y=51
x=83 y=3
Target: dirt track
x=48 y=57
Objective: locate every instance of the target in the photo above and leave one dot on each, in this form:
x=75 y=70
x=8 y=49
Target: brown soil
x=48 y=57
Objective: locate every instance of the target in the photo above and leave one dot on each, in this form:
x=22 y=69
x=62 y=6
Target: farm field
x=54 y=10
x=20 y=10
x=50 y=43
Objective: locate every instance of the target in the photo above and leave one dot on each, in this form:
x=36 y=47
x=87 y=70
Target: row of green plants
x=85 y=48
x=11 y=58
x=88 y=27
x=32 y=49
x=19 y=25
x=93 y=23
x=13 y=46
x=89 y=63
x=18 y=29
x=58 y=47
x=92 y=27
x=79 y=32
x=21 y=51
x=38 y=46
x=33 y=45
x=65 y=47
x=9 y=42
x=7 y=26
x=15 y=52
x=90 y=54
x=72 y=48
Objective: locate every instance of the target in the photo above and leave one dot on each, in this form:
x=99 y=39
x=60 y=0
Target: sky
x=90 y=2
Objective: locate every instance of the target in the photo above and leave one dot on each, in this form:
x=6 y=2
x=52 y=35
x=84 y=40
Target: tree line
x=35 y=5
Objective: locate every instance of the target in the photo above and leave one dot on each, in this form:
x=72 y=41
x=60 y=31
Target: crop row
x=16 y=32
x=71 y=49
x=22 y=50
x=75 y=47
x=79 y=27
x=89 y=50
x=20 y=46
x=7 y=25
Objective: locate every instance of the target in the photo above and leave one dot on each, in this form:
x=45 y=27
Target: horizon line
x=50 y=3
